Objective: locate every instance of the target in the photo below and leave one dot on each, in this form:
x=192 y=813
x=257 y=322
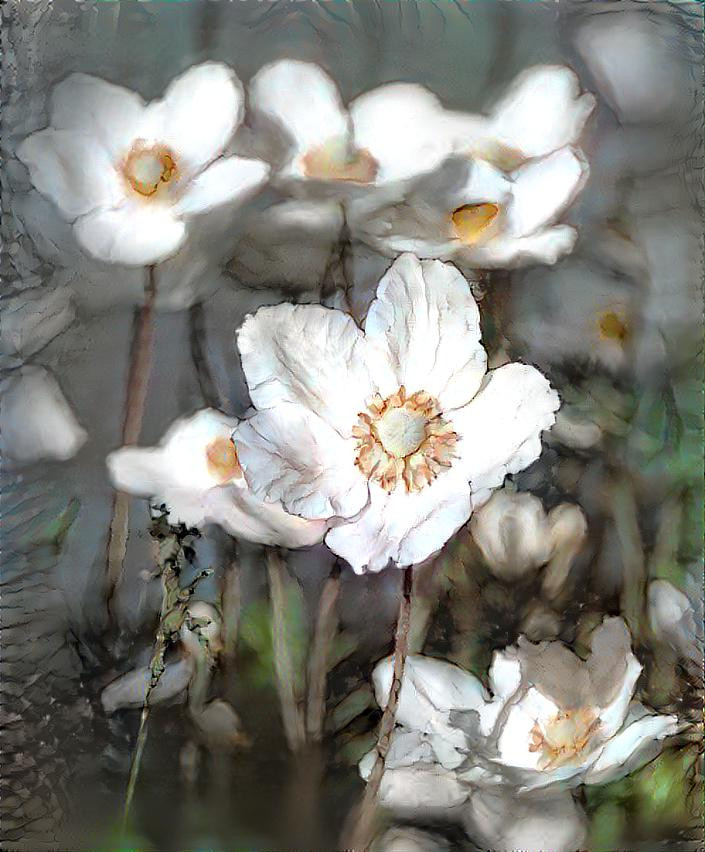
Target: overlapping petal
x=228 y=179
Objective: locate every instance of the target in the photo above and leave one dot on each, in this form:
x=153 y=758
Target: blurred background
x=617 y=327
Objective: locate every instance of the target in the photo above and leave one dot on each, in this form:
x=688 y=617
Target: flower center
x=222 y=461
x=471 y=221
x=612 y=327
x=335 y=160
x=403 y=439
x=563 y=737
x=148 y=169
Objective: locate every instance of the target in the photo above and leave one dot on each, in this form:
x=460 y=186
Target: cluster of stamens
x=149 y=168
x=403 y=439
x=563 y=737
x=222 y=461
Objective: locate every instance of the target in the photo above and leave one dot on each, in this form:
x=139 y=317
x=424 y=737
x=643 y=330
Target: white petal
x=110 y=115
x=546 y=246
x=515 y=738
x=405 y=129
x=505 y=673
x=199 y=113
x=139 y=470
x=71 y=169
x=542 y=111
x=130 y=690
x=543 y=189
x=613 y=671
x=302 y=99
x=403 y=528
x=426 y=322
x=291 y=455
x=421 y=790
x=310 y=355
x=37 y=421
x=631 y=747
x=134 y=234
x=228 y=179
x=500 y=429
x=242 y=515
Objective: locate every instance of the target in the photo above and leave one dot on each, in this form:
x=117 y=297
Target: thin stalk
x=365 y=814
x=324 y=633
x=135 y=399
x=231 y=602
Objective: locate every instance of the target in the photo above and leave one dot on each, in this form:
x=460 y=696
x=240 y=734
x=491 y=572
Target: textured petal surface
x=291 y=455
x=228 y=179
x=403 y=528
x=500 y=429
x=71 y=169
x=309 y=355
x=133 y=234
x=426 y=322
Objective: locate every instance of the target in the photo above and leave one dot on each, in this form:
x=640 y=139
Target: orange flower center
x=403 y=439
x=222 y=461
x=473 y=221
x=613 y=327
x=147 y=169
x=335 y=160
x=564 y=737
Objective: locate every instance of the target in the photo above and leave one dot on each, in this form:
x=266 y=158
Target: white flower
x=516 y=535
x=386 y=427
x=673 y=618
x=127 y=174
x=552 y=718
x=498 y=201
x=37 y=421
x=387 y=135
x=195 y=472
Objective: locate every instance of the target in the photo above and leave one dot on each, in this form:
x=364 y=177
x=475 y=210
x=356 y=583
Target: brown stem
x=324 y=633
x=231 y=602
x=365 y=814
x=137 y=383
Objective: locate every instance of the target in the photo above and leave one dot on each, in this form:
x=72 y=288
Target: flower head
x=398 y=429
x=127 y=173
x=195 y=471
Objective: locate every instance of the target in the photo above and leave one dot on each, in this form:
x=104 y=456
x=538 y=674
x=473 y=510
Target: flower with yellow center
x=396 y=430
x=195 y=471
x=128 y=174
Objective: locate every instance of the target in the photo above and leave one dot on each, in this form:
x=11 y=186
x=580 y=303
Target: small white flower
x=498 y=201
x=386 y=428
x=552 y=719
x=195 y=471
x=673 y=618
x=127 y=174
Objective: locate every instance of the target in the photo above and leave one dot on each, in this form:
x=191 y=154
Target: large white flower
x=127 y=173
x=399 y=428
x=551 y=719
x=497 y=202
x=195 y=472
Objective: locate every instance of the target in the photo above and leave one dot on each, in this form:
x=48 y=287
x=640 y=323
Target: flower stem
x=324 y=633
x=136 y=396
x=365 y=813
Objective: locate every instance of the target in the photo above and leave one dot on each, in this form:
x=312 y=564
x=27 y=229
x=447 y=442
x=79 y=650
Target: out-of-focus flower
x=37 y=421
x=387 y=136
x=288 y=245
x=409 y=839
x=386 y=428
x=195 y=471
x=497 y=202
x=552 y=719
x=33 y=317
x=128 y=174
x=516 y=534
x=672 y=617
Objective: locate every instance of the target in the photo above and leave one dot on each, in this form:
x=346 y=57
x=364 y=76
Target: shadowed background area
x=617 y=327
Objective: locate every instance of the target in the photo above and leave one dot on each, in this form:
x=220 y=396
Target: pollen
x=613 y=327
x=473 y=221
x=403 y=440
x=564 y=737
x=335 y=160
x=222 y=461
x=148 y=169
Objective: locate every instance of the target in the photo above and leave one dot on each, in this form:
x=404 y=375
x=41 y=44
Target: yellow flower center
x=222 y=461
x=472 y=221
x=612 y=327
x=403 y=439
x=147 y=169
x=335 y=160
x=564 y=737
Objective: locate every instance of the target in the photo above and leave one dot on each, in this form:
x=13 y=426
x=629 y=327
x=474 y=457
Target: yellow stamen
x=147 y=169
x=471 y=221
x=222 y=461
x=612 y=327
x=334 y=160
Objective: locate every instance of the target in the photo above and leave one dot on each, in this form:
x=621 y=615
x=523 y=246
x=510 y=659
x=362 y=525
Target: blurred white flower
x=127 y=173
x=552 y=719
x=37 y=421
x=672 y=617
x=409 y=839
x=386 y=428
x=195 y=471
x=497 y=202
x=516 y=535
x=34 y=317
